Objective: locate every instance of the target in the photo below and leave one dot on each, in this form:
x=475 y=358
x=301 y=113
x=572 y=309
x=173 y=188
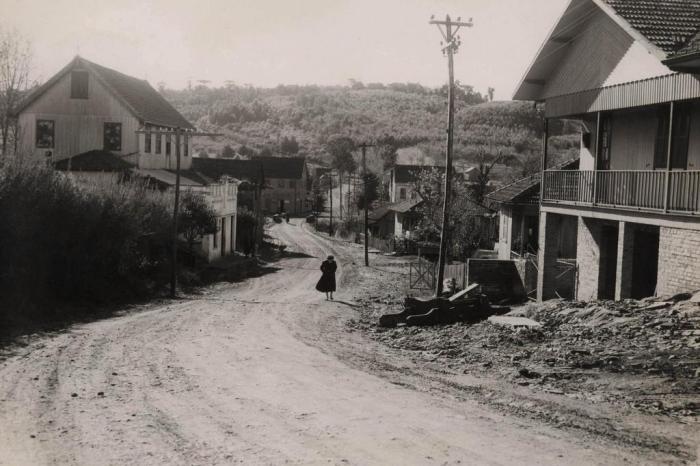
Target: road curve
x=241 y=375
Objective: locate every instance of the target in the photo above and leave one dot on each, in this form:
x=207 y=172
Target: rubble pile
x=644 y=353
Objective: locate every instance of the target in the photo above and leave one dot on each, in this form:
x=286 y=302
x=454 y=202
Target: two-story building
x=628 y=70
x=401 y=180
x=97 y=123
x=286 y=186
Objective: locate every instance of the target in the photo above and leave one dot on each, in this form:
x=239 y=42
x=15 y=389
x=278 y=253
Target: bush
x=64 y=242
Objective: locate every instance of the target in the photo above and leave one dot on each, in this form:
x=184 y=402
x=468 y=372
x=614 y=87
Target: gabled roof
x=93 y=161
x=410 y=173
x=404 y=206
x=282 y=167
x=137 y=95
x=251 y=170
x=661 y=26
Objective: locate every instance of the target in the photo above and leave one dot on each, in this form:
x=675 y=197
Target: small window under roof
x=79 y=84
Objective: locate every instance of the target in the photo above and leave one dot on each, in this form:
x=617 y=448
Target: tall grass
x=63 y=241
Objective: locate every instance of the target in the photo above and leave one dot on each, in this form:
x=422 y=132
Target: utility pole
x=176 y=208
x=330 y=196
x=450 y=47
x=364 y=147
x=176 y=211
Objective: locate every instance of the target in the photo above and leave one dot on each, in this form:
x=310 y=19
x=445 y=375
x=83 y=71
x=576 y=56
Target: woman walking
x=327 y=282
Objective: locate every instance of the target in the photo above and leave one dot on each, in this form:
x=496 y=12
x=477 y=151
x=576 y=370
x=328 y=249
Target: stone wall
x=679 y=261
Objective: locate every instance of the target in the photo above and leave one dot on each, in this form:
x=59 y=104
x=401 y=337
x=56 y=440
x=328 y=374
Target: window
x=186 y=148
x=44 y=134
x=147 y=143
x=681 y=137
x=167 y=145
x=661 y=142
x=215 y=239
x=113 y=136
x=402 y=194
x=605 y=145
x=79 y=85
x=291 y=184
x=159 y=143
x=280 y=183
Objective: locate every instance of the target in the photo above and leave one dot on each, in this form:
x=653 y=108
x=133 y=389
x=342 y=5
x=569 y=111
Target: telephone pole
x=364 y=147
x=448 y=29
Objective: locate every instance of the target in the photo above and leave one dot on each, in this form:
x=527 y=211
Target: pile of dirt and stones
x=643 y=353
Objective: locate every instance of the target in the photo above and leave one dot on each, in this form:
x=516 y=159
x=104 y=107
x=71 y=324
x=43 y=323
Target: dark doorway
x=223 y=236
x=281 y=205
x=608 y=262
x=645 y=265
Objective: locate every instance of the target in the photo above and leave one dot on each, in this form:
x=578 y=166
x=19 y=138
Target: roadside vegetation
x=66 y=244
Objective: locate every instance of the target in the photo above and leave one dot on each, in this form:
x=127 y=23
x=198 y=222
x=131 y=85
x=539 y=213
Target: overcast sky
x=270 y=42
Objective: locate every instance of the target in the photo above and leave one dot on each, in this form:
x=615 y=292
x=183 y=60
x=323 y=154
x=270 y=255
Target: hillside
x=300 y=119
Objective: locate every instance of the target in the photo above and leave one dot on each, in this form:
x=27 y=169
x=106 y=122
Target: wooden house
x=628 y=70
x=95 y=123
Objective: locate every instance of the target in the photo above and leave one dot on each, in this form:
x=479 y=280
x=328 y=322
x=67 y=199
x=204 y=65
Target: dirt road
x=260 y=372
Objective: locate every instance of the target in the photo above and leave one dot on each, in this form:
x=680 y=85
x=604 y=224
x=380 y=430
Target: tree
x=196 y=218
x=468 y=226
x=227 y=152
x=387 y=147
x=485 y=161
x=15 y=62
x=247 y=151
x=371 y=182
x=289 y=145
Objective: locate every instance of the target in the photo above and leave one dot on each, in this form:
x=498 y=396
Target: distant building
x=286 y=185
x=93 y=123
x=518 y=206
x=628 y=71
x=401 y=180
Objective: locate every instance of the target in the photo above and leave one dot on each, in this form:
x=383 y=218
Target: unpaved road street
x=260 y=372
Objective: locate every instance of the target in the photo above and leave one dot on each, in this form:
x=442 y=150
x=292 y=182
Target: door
x=281 y=209
x=223 y=236
x=608 y=262
x=645 y=263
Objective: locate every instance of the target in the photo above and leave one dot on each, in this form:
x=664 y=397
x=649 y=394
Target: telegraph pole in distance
x=364 y=147
x=450 y=47
x=176 y=211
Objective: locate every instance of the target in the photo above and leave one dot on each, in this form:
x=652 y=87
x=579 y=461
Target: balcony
x=675 y=192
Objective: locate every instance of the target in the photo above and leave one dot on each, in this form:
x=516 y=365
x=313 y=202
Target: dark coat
x=327 y=281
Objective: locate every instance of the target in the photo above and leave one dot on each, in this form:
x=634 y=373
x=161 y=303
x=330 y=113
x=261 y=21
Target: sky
x=271 y=42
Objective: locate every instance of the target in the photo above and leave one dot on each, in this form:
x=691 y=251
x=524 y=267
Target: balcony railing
x=637 y=190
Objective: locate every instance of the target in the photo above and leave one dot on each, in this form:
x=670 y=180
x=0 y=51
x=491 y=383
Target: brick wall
x=625 y=261
x=588 y=259
x=679 y=261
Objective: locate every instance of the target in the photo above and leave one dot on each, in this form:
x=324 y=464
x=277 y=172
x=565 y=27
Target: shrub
x=63 y=241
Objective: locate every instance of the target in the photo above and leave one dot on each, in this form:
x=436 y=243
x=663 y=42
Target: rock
x=100 y=393
x=529 y=374
x=74 y=395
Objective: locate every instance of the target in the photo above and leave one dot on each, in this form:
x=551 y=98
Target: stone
x=514 y=322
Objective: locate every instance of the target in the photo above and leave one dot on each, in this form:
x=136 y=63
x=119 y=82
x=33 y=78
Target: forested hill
x=301 y=119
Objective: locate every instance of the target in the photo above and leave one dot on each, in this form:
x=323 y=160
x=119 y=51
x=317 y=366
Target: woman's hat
x=330 y=258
